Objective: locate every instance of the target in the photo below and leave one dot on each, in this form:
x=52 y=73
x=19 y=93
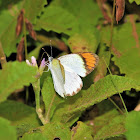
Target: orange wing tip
x=90 y=60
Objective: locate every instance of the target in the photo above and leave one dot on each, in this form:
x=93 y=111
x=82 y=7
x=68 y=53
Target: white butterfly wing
x=73 y=82
x=74 y=62
x=66 y=70
x=58 y=78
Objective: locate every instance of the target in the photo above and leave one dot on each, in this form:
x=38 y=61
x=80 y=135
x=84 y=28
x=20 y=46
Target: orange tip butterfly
x=67 y=69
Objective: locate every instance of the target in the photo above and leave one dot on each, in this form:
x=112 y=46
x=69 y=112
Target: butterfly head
x=50 y=58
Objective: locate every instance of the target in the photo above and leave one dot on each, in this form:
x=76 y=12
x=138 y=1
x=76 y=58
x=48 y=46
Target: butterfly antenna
x=44 y=53
x=51 y=47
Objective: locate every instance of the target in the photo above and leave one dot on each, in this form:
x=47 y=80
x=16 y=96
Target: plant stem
x=2 y=56
x=115 y=105
x=116 y=88
x=36 y=87
x=123 y=103
x=48 y=112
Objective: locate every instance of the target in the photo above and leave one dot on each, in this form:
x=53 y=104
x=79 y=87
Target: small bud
x=27 y=61
x=33 y=62
x=42 y=66
x=43 y=63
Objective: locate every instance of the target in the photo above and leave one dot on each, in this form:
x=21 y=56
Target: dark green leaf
x=72 y=108
x=22 y=116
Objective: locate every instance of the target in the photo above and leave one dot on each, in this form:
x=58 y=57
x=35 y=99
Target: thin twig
x=115 y=105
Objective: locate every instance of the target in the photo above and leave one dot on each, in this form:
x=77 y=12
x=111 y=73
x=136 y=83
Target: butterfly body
x=67 y=69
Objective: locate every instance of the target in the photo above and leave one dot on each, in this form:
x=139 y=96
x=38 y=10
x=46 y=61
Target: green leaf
x=137 y=1
x=8 y=37
x=14 y=76
x=81 y=132
x=86 y=38
x=84 y=42
x=126 y=47
x=8 y=16
x=108 y=125
x=34 y=136
x=33 y=8
x=104 y=88
x=132 y=125
x=7 y=132
x=57 y=19
x=22 y=116
x=86 y=12
x=50 y=131
x=50 y=98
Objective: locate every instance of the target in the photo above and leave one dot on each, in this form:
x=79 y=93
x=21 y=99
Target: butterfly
x=66 y=71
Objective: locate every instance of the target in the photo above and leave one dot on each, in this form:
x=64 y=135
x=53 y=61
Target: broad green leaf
x=104 y=88
x=50 y=131
x=22 y=116
x=50 y=98
x=7 y=132
x=108 y=125
x=14 y=76
x=86 y=12
x=137 y=1
x=81 y=132
x=8 y=16
x=132 y=125
x=57 y=19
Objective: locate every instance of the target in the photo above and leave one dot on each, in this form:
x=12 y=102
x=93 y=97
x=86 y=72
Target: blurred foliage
x=133 y=125
x=72 y=26
x=137 y=1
